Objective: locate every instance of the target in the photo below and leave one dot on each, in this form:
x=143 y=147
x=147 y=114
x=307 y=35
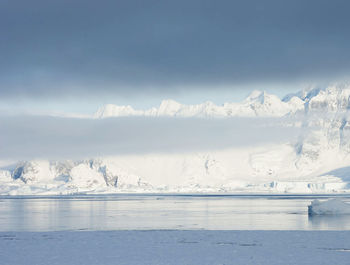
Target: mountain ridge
x=256 y=104
x=318 y=162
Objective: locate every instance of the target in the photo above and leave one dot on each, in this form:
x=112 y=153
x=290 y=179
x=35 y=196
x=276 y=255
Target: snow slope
x=317 y=162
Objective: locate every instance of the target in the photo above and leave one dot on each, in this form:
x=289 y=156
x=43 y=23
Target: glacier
x=317 y=162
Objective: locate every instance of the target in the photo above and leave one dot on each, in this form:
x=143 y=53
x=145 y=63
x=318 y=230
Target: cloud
x=88 y=48
x=31 y=137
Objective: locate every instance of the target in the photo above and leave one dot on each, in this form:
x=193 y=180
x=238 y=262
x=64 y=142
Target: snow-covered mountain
x=258 y=103
x=319 y=161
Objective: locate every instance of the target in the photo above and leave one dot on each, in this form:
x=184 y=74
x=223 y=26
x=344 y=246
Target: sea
x=166 y=212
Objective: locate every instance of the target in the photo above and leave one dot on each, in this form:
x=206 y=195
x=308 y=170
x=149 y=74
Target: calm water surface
x=164 y=212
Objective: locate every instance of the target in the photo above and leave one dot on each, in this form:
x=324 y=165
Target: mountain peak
x=258 y=103
x=255 y=94
x=169 y=107
x=110 y=110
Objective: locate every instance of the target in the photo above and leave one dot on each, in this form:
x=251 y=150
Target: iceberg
x=330 y=207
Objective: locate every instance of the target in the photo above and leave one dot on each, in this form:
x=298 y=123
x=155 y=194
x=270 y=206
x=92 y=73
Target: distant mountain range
x=318 y=162
x=257 y=104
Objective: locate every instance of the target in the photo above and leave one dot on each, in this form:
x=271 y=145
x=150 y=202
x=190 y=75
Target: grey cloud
x=61 y=47
x=29 y=137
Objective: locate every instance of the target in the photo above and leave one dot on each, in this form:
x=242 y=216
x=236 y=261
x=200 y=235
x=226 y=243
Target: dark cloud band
x=51 y=48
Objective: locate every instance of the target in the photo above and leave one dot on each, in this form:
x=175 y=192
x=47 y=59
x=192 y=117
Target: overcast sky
x=134 y=51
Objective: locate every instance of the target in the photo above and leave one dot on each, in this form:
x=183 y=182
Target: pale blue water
x=164 y=212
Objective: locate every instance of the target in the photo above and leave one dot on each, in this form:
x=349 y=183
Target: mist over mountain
x=297 y=144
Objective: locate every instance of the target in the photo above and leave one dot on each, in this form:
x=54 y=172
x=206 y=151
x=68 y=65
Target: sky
x=74 y=55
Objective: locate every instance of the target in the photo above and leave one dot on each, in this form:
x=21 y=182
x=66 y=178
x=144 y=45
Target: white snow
x=334 y=98
x=86 y=177
x=317 y=162
x=175 y=247
x=266 y=169
x=332 y=206
x=257 y=104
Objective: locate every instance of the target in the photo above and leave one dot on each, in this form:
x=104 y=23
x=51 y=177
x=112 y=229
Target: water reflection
x=164 y=212
x=330 y=222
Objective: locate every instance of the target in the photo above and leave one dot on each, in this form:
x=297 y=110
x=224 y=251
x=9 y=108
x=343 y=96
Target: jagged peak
x=169 y=103
x=110 y=110
x=169 y=107
x=304 y=94
x=311 y=92
x=258 y=103
x=255 y=94
x=261 y=97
